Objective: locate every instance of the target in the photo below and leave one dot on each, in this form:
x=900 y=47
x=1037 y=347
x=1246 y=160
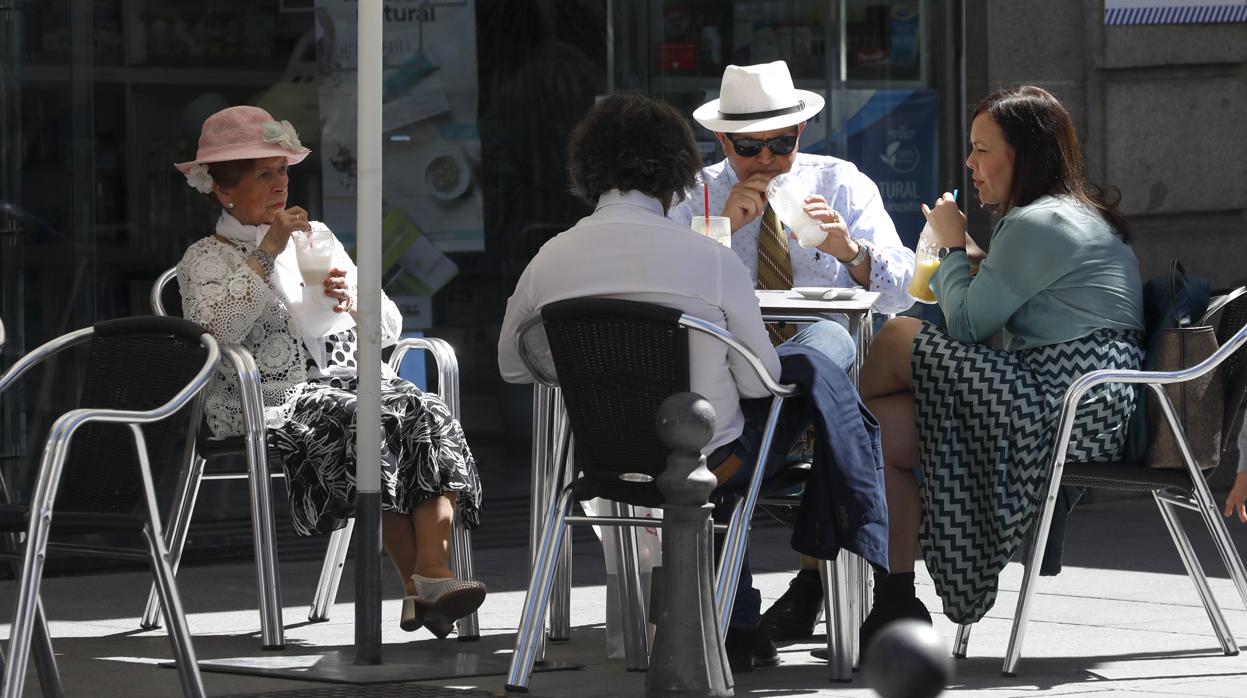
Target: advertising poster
x=893 y=136
x=431 y=152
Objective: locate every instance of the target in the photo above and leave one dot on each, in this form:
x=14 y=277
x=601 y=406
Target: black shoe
x=749 y=649
x=884 y=613
x=793 y=616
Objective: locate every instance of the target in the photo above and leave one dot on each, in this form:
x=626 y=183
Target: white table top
x=789 y=301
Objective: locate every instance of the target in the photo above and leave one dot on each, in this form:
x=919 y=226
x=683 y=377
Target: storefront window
x=99 y=98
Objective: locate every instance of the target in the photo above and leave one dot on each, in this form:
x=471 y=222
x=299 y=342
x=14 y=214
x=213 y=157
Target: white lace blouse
x=224 y=295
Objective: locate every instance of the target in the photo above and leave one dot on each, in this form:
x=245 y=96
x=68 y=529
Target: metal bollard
x=688 y=658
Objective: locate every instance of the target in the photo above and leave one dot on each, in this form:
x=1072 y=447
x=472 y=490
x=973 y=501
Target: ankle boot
x=894 y=599
x=794 y=615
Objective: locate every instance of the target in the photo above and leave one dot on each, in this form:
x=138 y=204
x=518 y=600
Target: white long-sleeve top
x=627 y=249
x=853 y=195
x=224 y=295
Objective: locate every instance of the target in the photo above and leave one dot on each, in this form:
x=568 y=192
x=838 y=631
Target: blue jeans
x=794 y=420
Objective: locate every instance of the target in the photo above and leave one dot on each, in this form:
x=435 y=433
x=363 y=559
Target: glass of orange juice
x=926 y=261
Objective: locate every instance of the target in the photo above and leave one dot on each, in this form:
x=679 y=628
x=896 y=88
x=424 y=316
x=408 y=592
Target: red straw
x=706 y=189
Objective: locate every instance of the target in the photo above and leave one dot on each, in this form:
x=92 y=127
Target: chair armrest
x=1216 y=304
x=709 y=328
x=444 y=359
x=32 y=358
x=250 y=395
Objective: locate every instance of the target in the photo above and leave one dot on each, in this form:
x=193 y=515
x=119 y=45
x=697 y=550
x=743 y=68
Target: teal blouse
x=1055 y=272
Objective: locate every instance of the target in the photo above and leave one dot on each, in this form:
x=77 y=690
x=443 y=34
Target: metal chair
x=1187 y=488
x=252 y=444
x=140 y=400
x=616 y=361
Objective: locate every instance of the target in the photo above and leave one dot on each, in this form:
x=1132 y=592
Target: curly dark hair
x=632 y=142
x=1046 y=157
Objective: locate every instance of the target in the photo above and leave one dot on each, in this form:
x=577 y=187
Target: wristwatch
x=860 y=258
x=945 y=251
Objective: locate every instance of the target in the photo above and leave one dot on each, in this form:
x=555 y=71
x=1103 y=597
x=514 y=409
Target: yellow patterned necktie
x=774 y=267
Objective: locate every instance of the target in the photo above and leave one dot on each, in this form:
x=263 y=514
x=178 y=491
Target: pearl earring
x=229 y=204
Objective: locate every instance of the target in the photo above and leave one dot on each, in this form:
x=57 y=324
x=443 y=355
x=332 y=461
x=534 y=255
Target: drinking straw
x=705 y=188
x=955 y=195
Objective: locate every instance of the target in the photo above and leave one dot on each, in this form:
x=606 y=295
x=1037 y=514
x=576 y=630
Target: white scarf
x=313 y=319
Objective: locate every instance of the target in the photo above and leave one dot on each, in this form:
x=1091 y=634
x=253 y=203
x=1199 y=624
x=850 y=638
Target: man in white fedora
x=758 y=120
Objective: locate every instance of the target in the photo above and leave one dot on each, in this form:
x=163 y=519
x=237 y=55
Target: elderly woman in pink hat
x=242 y=282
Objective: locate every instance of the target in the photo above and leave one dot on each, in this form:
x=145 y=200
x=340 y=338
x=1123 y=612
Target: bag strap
x=1179 y=296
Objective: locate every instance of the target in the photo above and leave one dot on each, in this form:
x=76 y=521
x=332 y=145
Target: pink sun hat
x=244 y=132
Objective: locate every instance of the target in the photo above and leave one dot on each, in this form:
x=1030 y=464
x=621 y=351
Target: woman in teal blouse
x=1062 y=289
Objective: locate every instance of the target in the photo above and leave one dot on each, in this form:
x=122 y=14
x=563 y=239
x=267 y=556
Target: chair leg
x=461 y=565
x=175 y=618
x=537 y=599
x=736 y=539
x=540 y=474
x=175 y=536
x=1221 y=537
x=1039 y=541
x=331 y=573
x=268 y=585
x=838 y=612
x=1196 y=572
x=45 y=657
x=27 y=604
x=631 y=597
x=561 y=596
x=962 y=641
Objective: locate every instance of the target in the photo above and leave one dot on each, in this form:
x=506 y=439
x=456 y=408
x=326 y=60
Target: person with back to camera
x=1062 y=284
x=242 y=283
x=758 y=120
x=630 y=157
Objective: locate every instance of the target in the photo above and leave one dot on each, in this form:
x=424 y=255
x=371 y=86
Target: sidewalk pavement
x=1121 y=619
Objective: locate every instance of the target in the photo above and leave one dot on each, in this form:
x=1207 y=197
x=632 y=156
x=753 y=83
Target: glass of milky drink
x=314 y=251
x=926 y=261
x=786 y=195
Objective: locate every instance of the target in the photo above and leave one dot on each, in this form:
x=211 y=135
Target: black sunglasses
x=750 y=147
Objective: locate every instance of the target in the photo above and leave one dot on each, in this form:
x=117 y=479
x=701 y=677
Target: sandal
x=440 y=602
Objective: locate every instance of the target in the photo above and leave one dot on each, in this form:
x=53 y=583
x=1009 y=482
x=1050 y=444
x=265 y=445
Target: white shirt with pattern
x=853 y=195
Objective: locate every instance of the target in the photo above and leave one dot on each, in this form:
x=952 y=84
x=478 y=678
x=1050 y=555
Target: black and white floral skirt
x=985 y=424
x=423 y=455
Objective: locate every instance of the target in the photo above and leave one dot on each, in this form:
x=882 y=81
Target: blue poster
x=893 y=136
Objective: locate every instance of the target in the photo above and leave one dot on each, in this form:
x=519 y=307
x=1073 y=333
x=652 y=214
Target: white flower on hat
x=199 y=178
x=281 y=133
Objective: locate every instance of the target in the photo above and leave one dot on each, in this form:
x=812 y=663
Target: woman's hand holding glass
x=283 y=226
x=947 y=221
x=337 y=288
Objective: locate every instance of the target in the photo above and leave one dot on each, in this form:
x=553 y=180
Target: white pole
x=368 y=358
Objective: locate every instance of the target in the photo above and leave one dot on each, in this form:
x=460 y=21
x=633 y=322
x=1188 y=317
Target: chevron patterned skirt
x=985 y=420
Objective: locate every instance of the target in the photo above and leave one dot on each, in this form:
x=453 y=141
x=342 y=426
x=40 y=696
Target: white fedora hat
x=757 y=98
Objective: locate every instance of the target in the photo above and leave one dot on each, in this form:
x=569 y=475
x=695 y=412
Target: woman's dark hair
x=227 y=174
x=631 y=142
x=1046 y=156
